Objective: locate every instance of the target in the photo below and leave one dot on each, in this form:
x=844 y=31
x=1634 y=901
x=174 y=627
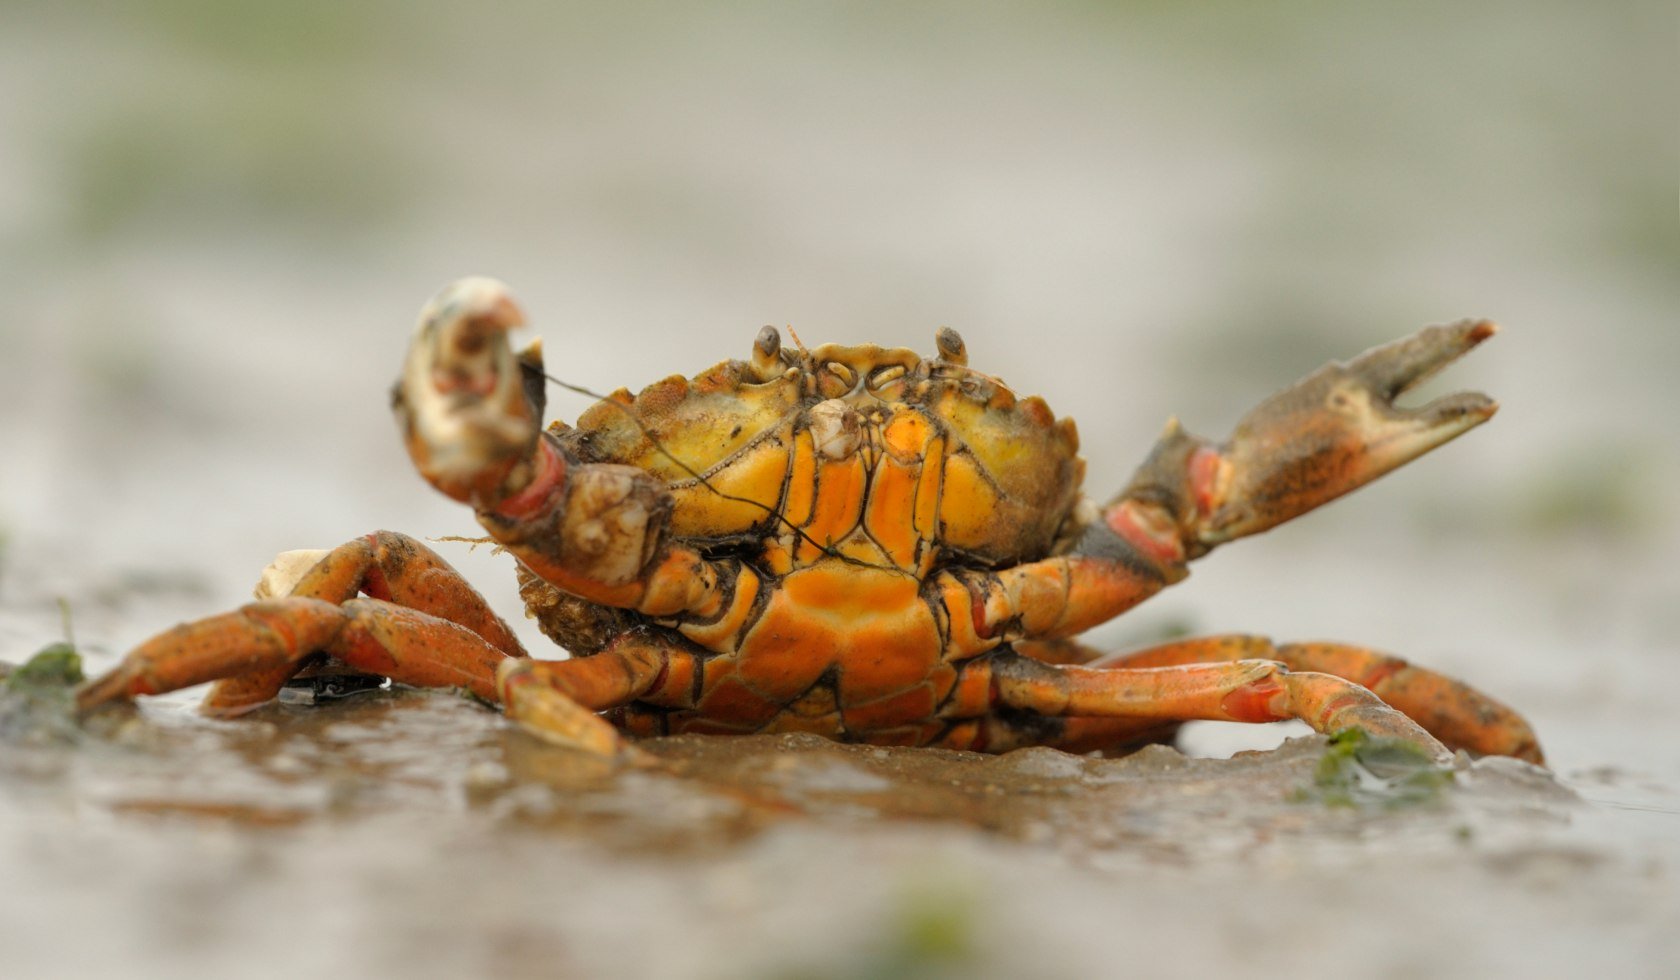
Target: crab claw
x=1337 y=430
x=462 y=402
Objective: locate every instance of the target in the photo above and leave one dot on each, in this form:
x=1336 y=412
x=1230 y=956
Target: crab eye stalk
x=950 y=344
x=766 y=354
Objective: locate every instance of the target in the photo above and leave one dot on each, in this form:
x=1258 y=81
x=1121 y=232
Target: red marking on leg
x=141 y=683
x=1335 y=705
x=362 y=651
x=1205 y=465
x=551 y=470
x=659 y=678
x=1253 y=702
x=977 y=612
x=513 y=680
x=1148 y=529
x=1386 y=668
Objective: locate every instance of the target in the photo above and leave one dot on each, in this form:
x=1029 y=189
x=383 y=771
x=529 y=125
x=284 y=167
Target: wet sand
x=416 y=834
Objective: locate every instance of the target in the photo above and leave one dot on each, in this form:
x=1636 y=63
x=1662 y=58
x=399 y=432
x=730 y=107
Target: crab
x=853 y=541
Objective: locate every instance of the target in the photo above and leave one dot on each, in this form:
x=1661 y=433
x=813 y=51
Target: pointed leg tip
x=1479 y=330
x=546 y=713
x=109 y=687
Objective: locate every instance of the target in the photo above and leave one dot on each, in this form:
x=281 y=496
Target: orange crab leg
x=557 y=700
x=371 y=635
x=1242 y=690
x=1451 y=710
x=385 y=565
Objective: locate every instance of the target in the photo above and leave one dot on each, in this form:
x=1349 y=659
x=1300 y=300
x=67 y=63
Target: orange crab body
x=852 y=541
x=842 y=493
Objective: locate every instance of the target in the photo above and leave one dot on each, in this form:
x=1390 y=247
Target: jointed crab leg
x=255 y=649
x=397 y=568
x=1451 y=710
x=1243 y=690
x=368 y=634
x=1331 y=433
x=557 y=699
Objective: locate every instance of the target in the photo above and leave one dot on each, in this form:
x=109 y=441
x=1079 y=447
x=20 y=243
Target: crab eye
x=951 y=347
x=841 y=371
x=766 y=359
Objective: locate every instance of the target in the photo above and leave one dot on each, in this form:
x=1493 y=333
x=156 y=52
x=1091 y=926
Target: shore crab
x=853 y=541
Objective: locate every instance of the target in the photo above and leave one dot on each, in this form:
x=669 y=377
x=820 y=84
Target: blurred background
x=217 y=221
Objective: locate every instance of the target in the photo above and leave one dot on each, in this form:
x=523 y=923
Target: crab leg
x=1331 y=433
x=469 y=408
x=1242 y=690
x=371 y=635
x=557 y=700
x=1451 y=710
x=397 y=568
x=256 y=650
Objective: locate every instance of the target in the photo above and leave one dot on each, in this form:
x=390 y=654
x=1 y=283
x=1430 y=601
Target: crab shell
x=745 y=447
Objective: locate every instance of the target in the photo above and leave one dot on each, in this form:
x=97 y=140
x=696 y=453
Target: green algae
x=56 y=667
x=38 y=697
x=1361 y=770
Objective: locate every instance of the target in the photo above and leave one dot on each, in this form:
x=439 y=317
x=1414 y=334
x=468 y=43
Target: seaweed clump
x=1360 y=770
x=38 y=697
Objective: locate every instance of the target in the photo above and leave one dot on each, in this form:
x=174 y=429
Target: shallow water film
x=217 y=221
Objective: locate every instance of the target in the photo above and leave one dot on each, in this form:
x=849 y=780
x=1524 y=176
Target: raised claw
x=467 y=418
x=1337 y=430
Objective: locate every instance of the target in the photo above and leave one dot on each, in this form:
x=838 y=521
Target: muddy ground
x=217 y=221
x=415 y=834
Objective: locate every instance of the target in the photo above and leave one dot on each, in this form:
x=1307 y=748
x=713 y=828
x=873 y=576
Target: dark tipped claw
x=1337 y=430
x=1392 y=435
x=1393 y=368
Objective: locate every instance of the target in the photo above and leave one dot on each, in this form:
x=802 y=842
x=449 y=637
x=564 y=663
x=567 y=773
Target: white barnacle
x=834 y=428
x=284 y=572
x=590 y=537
